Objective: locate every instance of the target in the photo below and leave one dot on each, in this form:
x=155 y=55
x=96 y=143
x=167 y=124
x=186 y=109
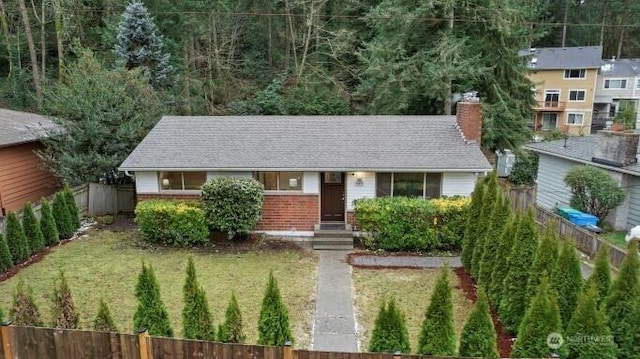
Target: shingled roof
x=21 y=127
x=260 y=143
x=559 y=58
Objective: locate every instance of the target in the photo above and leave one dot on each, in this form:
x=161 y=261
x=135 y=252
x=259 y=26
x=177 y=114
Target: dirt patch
x=221 y=243
x=121 y=222
x=468 y=285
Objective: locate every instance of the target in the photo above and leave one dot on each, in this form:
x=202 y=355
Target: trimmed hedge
x=232 y=204
x=172 y=223
x=411 y=224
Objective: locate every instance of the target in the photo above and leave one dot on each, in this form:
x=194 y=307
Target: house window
x=575 y=118
x=638 y=83
x=280 y=181
x=549 y=121
x=421 y=185
x=615 y=84
x=182 y=180
x=577 y=95
x=575 y=73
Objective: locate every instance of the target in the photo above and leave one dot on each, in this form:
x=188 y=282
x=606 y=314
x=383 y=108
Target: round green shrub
x=232 y=204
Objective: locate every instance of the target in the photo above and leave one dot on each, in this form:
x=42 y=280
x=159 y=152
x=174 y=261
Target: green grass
x=106 y=264
x=412 y=290
x=616 y=237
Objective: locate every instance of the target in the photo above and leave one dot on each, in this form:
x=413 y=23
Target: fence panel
x=81 y=195
x=110 y=199
x=521 y=197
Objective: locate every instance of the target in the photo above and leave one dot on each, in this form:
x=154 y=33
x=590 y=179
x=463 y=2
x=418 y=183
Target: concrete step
x=334 y=233
x=332 y=243
x=329 y=247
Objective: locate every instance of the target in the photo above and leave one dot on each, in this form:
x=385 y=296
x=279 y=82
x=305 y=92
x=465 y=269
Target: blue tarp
x=576 y=217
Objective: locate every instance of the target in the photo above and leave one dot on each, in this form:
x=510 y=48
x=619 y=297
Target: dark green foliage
x=315 y=95
x=489 y=204
x=232 y=205
x=541 y=319
x=514 y=292
x=168 y=222
x=197 y=321
x=501 y=265
x=593 y=190
x=48 y=224
x=499 y=219
x=24 y=310
x=32 y=229
x=63 y=310
x=525 y=171
x=273 y=324
x=1 y=315
x=16 y=240
x=601 y=275
x=151 y=313
x=104 y=321
x=479 y=338
x=437 y=335
x=64 y=222
x=473 y=217
x=5 y=255
x=567 y=280
x=590 y=323
x=231 y=330
x=544 y=261
x=390 y=333
x=623 y=305
x=74 y=212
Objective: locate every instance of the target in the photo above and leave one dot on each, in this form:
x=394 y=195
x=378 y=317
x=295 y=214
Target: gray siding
x=633 y=216
x=552 y=191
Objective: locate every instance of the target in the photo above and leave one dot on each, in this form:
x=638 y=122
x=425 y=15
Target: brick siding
x=469 y=118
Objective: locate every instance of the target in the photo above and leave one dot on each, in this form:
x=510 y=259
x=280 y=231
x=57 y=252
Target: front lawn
x=616 y=237
x=412 y=290
x=107 y=265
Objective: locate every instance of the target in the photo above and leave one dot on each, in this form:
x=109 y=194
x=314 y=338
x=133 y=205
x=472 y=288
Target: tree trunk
x=59 y=25
x=32 y=52
x=7 y=37
x=447 y=92
x=564 y=22
x=43 y=39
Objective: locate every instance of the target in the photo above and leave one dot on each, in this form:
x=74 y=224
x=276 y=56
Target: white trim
x=564 y=74
x=553 y=154
x=341 y=169
x=551 y=91
x=604 y=83
x=584 y=98
x=304 y=235
x=575 y=124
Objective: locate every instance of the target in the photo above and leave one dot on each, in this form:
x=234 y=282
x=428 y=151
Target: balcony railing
x=550 y=106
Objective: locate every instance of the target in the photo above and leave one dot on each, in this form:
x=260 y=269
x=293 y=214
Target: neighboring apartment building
x=565 y=80
x=618 y=87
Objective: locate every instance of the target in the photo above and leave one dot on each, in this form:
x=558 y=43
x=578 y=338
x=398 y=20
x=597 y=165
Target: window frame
x=542 y=118
x=637 y=83
x=575 y=114
x=182 y=181
x=582 y=74
x=424 y=184
x=608 y=82
x=577 y=91
x=256 y=175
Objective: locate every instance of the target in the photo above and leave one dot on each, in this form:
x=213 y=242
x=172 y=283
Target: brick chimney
x=469 y=119
x=616 y=149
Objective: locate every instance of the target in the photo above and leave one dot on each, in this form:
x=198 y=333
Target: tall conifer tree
x=437 y=335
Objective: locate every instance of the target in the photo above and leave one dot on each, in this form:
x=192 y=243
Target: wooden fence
x=521 y=197
x=49 y=343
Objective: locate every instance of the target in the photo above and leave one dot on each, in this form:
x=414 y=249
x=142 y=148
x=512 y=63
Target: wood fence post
x=145 y=345
x=397 y=355
x=288 y=350
x=6 y=340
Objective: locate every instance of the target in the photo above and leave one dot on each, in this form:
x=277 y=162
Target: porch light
x=358 y=176
x=165 y=183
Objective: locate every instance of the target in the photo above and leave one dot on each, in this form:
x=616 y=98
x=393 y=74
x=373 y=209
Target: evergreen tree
x=32 y=229
x=48 y=224
x=499 y=220
x=544 y=261
x=473 y=217
x=139 y=44
x=587 y=321
x=63 y=310
x=490 y=208
x=72 y=206
x=501 y=265
x=231 y=330
x=61 y=214
x=437 y=335
x=601 y=275
x=104 y=321
x=479 y=338
x=197 y=322
x=151 y=313
x=5 y=255
x=1 y=315
x=16 y=240
x=541 y=319
x=390 y=333
x=623 y=305
x=567 y=280
x=24 y=310
x=273 y=324
x=514 y=292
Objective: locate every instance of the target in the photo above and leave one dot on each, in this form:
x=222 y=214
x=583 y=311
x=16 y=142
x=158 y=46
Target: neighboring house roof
x=21 y=127
x=580 y=149
x=559 y=58
x=620 y=68
x=306 y=143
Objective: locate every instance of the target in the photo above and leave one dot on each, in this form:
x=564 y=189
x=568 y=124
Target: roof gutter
x=302 y=169
x=614 y=169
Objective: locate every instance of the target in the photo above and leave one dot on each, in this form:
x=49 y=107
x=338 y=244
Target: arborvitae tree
x=61 y=214
x=544 y=261
x=104 y=321
x=63 y=310
x=231 y=330
x=32 y=229
x=514 y=292
x=437 y=335
x=151 y=313
x=501 y=265
x=623 y=305
x=273 y=324
x=473 y=217
x=479 y=338
x=390 y=333
x=601 y=275
x=490 y=202
x=567 y=280
x=5 y=255
x=74 y=212
x=1 y=315
x=24 y=310
x=48 y=224
x=541 y=319
x=16 y=240
x=499 y=220
x=197 y=321
x=588 y=321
